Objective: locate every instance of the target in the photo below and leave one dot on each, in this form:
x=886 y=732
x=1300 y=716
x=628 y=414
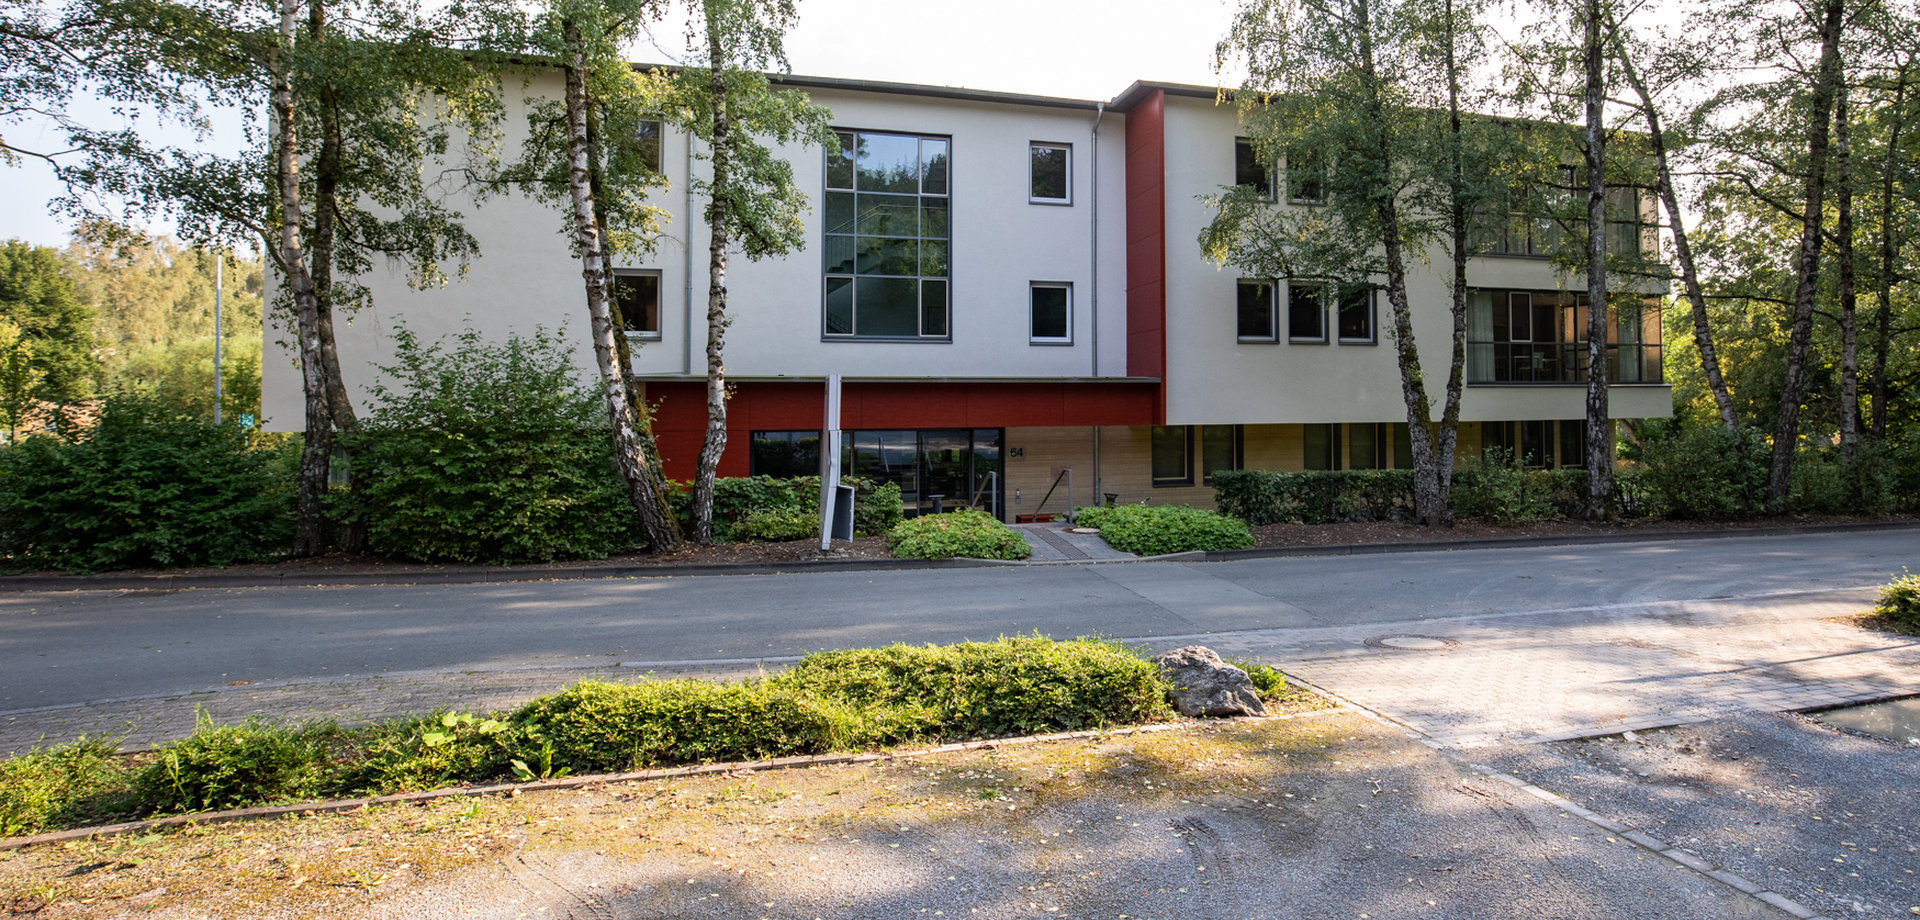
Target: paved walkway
x=1058 y=543
x=1535 y=677
x=1505 y=678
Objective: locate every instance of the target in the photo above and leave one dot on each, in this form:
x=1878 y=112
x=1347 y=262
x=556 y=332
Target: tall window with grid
x=887 y=237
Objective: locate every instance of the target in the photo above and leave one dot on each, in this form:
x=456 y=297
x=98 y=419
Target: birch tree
x=752 y=201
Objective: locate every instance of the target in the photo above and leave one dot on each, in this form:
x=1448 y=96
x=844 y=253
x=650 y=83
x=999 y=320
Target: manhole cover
x=1083 y=530
x=1413 y=643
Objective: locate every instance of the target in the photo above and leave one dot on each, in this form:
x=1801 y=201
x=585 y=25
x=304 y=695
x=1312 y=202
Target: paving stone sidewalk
x=1529 y=678
x=1058 y=543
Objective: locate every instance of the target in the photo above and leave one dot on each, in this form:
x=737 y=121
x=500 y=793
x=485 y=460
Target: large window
x=1538 y=444
x=1220 y=449
x=1254 y=312
x=1050 y=173
x=887 y=237
x=784 y=454
x=1050 y=313
x=1248 y=170
x=637 y=295
x=1540 y=337
x=1306 y=312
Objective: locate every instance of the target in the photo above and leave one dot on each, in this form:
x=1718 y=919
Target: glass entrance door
x=944 y=468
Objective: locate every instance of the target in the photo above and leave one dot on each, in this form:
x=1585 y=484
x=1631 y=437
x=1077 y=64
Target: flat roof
x=1127 y=99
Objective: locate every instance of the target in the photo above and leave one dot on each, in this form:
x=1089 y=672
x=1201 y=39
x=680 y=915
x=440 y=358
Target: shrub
x=146 y=486
x=876 y=506
x=1497 y=488
x=1313 y=496
x=1899 y=602
x=426 y=752
x=1707 y=473
x=597 y=726
x=1267 y=681
x=233 y=766
x=1156 y=530
x=46 y=789
x=968 y=533
x=977 y=689
x=490 y=453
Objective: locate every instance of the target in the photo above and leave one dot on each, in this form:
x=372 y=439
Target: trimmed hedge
x=846 y=700
x=1490 y=489
x=968 y=533
x=1155 y=530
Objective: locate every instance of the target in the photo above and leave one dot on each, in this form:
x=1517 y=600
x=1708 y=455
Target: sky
x=1086 y=49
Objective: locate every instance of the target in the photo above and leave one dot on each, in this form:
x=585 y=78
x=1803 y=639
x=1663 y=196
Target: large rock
x=1206 y=686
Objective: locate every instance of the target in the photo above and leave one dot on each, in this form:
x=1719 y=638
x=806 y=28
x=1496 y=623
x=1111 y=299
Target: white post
x=217 y=265
x=829 y=461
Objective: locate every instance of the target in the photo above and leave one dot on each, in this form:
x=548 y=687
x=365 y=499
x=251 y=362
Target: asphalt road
x=70 y=647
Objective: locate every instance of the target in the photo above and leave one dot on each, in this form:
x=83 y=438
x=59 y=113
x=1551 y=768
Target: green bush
x=489 y=453
x=596 y=726
x=876 y=507
x=1014 y=685
x=1160 y=529
x=1313 y=496
x=234 y=766
x=968 y=533
x=73 y=783
x=1267 y=681
x=146 y=486
x=1495 y=487
x=1899 y=602
x=426 y=752
x=1707 y=473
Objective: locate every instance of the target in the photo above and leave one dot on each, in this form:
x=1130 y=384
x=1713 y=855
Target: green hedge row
x=1154 y=530
x=830 y=701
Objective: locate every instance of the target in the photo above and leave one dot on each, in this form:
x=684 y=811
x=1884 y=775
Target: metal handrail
x=1066 y=474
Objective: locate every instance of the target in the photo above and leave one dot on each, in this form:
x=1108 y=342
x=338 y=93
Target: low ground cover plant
x=1899 y=603
x=1153 y=530
x=830 y=701
x=967 y=533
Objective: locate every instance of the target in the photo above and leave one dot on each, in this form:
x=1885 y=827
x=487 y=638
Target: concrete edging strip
x=597 y=779
x=459 y=575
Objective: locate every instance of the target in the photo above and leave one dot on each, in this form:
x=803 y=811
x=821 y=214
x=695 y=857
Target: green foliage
x=1899 y=602
x=966 y=532
x=234 y=766
x=1267 y=681
x=1707 y=473
x=426 y=752
x=1313 y=496
x=1497 y=488
x=1160 y=529
x=147 y=486
x=776 y=507
x=489 y=453
x=59 y=786
x=1823 y=483
x=37 y=297
x=1013 y=685
x=181 y=376
x=597 y=726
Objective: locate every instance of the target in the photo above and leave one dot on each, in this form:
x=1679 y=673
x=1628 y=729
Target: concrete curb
x=461 y=575
x=576 y=782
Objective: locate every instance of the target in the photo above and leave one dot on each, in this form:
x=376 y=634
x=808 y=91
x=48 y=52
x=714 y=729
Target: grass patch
x=1155 y=530
x=1898 y=606
x=967 y=533
x=830 y=701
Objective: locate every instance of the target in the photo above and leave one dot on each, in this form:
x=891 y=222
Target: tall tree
x=359 y=95
x=1843 y=255
x=752 y=200
x=36 y=297
x=1374 y=87
x=1599 y=426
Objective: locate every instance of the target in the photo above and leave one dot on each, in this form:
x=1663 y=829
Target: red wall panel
x=1146 y=244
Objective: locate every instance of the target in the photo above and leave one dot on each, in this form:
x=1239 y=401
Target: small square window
x=1050 y=317
x=1254 y=319
x=1248 y=170
x=1306 y=178
x=647 y=138
x=1356 y=315
x=637 y=296
x=1306 y=312
x=1051 y=173
x=1172 y=455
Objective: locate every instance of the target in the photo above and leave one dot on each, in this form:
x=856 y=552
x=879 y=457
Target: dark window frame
x=932 y=294
x=1372 y=308
x=652 y=146
x=1238 y=461
x=1320 y=298
x=1247 y=157
x=1153 y=436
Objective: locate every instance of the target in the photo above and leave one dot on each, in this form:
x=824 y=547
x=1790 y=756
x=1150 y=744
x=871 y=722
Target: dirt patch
x=1403 y=532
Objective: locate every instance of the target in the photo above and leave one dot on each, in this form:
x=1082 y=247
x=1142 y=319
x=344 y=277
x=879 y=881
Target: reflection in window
x=886 y=248
x=637 y=296
x=1254 y=312
x=1051 y=173
x=1220 y=449
x=1306 y=312
x=785 y=454
x=1248 y=170
x=1356 y=314
x=647 y=138
x=1051 y=320
x=1172 y=455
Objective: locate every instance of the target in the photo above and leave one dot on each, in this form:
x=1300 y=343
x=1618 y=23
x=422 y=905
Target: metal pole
x=829 y=461
x=218 y=264
x=1071 y=514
